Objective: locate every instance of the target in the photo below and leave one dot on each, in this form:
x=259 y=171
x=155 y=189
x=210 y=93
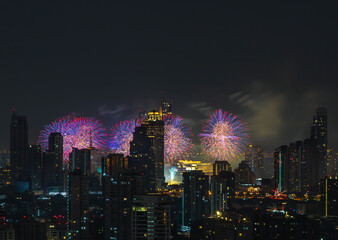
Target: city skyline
x=272 y=70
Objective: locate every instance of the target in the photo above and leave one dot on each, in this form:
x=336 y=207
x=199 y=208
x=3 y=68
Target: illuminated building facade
x=166 y=108
x=155 y=132
x=297 y=170
x=195 y=198
x=77 y=206
x=254 y=156
x=331 y=163
x=329 y=196
x=113 y=163
x=120 y=185
x=18 y=147
x=151 y=217
x=222 y=191
x=142 y=156
x=281 y=168
x=219 y=166
x=319 y=133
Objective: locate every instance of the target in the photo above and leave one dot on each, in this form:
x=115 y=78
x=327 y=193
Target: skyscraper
x=18 y=147
x=151 y=217
x=310 y=178
x=329 y=196
x=281 y=168
x=243 y=174
x=319 y=133
x=166 y=108
x=155 y=131
x=195 y=197
x=117 y=206
x=50 y=172
x=222 y=191
x=55 y=144
x=120 y=184
x=80 y=159
x=296 y=164
x=77 y=206
x=219 y=166
x=35 y=166
x=142 y=157
x=114 y=163
x=331 y=163
x=255 y=157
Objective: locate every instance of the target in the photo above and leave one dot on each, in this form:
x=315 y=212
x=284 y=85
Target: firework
x=78 y=132
x=122 y=135
x=177 y=142
x=224 y=136
x=278 y=195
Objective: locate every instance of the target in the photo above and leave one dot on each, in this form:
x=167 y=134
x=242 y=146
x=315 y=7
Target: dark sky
x=270 y=63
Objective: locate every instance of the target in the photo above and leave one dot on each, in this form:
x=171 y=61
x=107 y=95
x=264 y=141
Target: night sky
x=271 y=64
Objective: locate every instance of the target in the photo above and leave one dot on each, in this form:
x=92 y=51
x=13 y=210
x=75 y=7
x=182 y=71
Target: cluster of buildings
x=112 y=196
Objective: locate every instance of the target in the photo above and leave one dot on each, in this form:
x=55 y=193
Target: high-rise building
x=195 y=198
x=319 y=133
x=151 y=217
x=155 y=131
x=222 y=191
x=220 y=166
x=50 y=173
x=142 y=156
x=80 y=159
x=255 y=157
x=166 y=108
x=281 y=168
x=119 y=186
x=18 y=147
x=331 y=165
x=77 y=206
x=329 y=196
x=114 y=163
x=35 y=166
x=96 y=156
x=296 y=164
x=55 y=144
x=243 y=174
x=311 y=174
x=117 y=207
x=57 y=228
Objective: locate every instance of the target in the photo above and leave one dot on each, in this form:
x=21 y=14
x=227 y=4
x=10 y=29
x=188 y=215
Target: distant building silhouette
x=80 y=159
x=18 y=147
x=35 y=166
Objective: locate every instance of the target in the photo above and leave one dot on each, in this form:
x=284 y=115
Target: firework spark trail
x=122 y=135
x=177 y=142
x=224 y=136
x=78 y=132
